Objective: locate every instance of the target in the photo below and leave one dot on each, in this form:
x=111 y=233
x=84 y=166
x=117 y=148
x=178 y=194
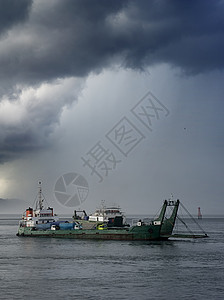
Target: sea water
x=48 y=268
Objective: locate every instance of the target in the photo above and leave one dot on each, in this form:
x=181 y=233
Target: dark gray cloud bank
x=44 y=42
x=12 y=13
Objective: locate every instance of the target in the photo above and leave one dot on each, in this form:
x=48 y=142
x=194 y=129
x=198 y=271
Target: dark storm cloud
x=28 y=122
x=42 y=41
x=16 y=141
x=73 y=38
x=13 y=12
x=186 y=34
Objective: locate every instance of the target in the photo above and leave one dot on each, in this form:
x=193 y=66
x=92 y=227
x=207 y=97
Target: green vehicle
x=140 y=232
x=41 y=222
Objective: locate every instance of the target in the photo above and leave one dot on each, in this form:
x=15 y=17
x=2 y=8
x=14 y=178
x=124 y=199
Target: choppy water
x=35 y=268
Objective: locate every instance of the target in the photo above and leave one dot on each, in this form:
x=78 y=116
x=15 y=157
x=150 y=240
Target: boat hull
x=135 y=233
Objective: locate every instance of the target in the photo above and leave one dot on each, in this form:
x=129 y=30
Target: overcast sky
x=124 y=97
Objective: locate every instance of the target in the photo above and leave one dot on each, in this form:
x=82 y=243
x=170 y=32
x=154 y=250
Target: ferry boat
x=41 y=222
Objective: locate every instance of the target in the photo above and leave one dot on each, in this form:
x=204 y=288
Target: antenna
x=40 y=194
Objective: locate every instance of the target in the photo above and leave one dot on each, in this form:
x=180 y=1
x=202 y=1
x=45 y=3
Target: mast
x=40 y=201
